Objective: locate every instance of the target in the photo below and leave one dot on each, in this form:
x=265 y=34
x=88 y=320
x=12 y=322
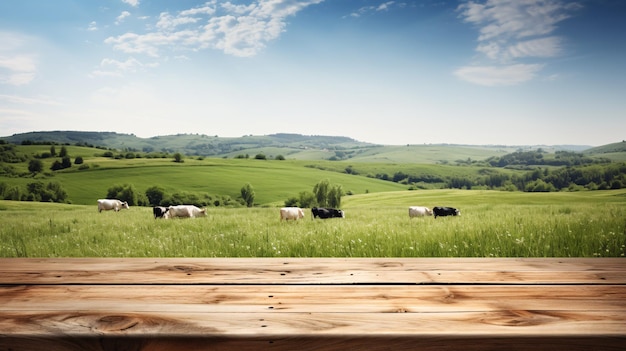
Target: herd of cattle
x=286 y=213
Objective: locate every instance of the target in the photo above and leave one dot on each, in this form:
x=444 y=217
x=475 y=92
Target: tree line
x=324 y=194
x=541 y=158
x=565 y=171
x=592 y=177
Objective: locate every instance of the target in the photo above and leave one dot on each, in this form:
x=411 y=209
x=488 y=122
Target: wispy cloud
x=121 y=17
x=238 y=30
x=510 y=33
x=133 y=3
x=365 y=10
x=499 y=75
x=115 y=68
x=93 y=26
x=18 y=66
x=40 y=100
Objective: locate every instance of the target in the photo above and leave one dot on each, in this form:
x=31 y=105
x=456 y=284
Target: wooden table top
x=313 y=303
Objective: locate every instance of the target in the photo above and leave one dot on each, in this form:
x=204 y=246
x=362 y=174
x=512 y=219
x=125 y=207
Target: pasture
x=492 y=224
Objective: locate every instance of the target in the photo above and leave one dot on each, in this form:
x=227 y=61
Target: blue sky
x=505 y=72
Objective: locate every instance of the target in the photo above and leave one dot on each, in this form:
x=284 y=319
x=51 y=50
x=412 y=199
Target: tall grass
x=492 y=224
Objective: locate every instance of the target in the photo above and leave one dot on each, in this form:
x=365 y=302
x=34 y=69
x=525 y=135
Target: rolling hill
x=289 y=146
x=614 y=151
x=106 y=161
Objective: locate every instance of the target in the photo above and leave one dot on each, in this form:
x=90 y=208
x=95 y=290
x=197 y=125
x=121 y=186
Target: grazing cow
x=184 y=211
x=159 y=211
x=446 y=211
x=111 y=204
x=419 y=211
x=288 y=213
x=324 y=213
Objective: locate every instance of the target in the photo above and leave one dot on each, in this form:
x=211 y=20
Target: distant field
x=492 y=224
x=273 y=181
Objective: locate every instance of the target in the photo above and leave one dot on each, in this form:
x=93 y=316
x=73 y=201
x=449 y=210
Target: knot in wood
x=115 y=323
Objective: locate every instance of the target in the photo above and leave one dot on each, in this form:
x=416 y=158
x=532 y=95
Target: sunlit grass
x=492 y=224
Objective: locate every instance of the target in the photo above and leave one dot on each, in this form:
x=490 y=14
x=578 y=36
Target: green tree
x=78 y=160
x=36 y=192
x=292 y=201
x=63 y=152
x=14 y=193
x=247 y=193
x=321 y=192
x=56 y=165
x=35 y=166
x=124 y=192
x=155 y=195
x=53 y=151
x=57 y=192
x=66 y=162
x=178 y=157
x=334 y=196
x=307 y=199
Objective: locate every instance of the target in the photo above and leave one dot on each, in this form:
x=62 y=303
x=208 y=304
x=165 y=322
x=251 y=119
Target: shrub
x=124 y=192
x=155 y=195
x=35 y=166
x=247 y=193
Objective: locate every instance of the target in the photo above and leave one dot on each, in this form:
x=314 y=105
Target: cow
x=111 y=204
x=184 y=211
x=288 y=213
x=419 y=211
x=159 y=211
x=446 y=211
x=324 y=213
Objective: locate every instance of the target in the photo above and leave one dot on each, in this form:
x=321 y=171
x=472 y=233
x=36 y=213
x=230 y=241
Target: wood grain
x=312 y=304
x=314 y=271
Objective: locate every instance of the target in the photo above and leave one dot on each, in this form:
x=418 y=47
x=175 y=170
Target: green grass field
x=492 y=224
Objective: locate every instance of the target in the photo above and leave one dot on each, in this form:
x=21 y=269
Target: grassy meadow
x=492 y=224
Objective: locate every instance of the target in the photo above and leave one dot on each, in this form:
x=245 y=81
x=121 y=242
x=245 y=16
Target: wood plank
x=313 y=304
x=314 y=271
x=302 y=299
x=312 y=343
x=497 y=324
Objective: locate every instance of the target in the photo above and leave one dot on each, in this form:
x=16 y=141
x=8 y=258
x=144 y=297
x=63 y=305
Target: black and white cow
x=324 y=213
x=445 y=211
x=159 y=211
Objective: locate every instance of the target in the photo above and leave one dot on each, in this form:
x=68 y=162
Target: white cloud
x=168 y=22
x=237 y=9
x=206 y=9
x=130 y=64
x=511 y=31
x=498 y=75
x=514 y=18
x=121 y=17
x=93 y=26
x=385 y=6
x=18 y=66
x=114 y=68
x=40 y=100
x=238 y=30
x=542 y=47
x=133 y=3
